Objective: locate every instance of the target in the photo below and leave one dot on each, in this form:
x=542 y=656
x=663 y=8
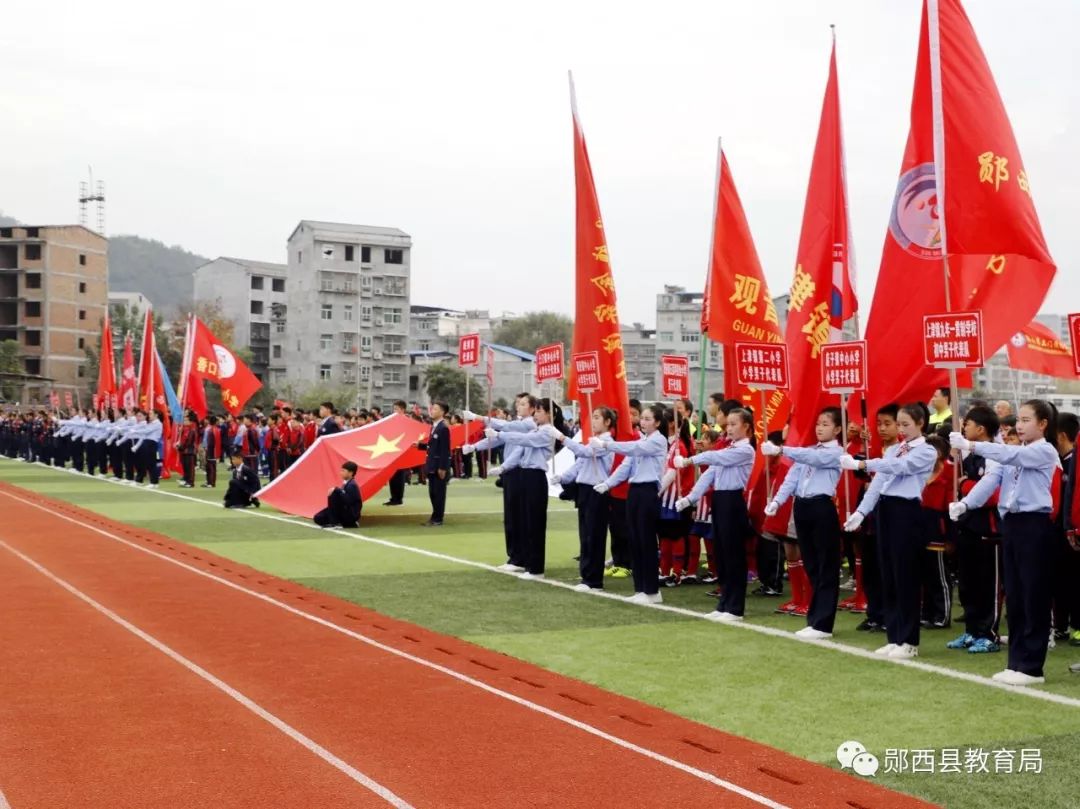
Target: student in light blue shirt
x=1027 y=476
x=147 y=437
x=813 y=481
x=896 y=491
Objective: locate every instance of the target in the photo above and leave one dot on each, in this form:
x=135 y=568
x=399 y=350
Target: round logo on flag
x=226 y=363
x=1018 y=340
x=915 y=221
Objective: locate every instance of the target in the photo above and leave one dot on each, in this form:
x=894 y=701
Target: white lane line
x=3 y=801
x=553 y=714
x=248 y=703
x=854 y=651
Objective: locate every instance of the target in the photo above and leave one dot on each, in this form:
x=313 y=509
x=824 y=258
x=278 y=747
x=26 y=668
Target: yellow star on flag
x=382 y=446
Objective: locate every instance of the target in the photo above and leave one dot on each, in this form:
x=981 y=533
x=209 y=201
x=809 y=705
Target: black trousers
x=337 y=512
x=936 y=587
x=871 y=577
x=900 y=547
x=817 y=528
x=116 y=460
x=146 y=462
x=731 y=526
x=211 y=471
x=511 y=485
x=533 y=488
x=620 y=533
x=78 y=454
x=1027 y=545
x=770 y=563
x=642 y=514
x=128 y=450
x=397 y=486
x=592 y=514
x=979 y=568
x=187 y=463
x=90 y=449
x=236 y=495
x=1066 y=583
x=437 y=494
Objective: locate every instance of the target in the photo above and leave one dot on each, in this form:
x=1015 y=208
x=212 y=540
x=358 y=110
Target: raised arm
x=729 y=456
x=1028 y=456
x=818 y=457
x=920 y=461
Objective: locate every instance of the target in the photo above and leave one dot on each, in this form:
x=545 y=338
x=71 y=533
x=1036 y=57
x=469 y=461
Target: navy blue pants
x=900 y=551
x=642 y=514
x=593 y=510
x=1027 y=545
x=731 y=527
x=817 y=527
x=533 y=487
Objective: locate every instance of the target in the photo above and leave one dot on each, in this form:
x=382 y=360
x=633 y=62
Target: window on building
x=276 y=352
x=350 y=373
x=425 y=325
x=348 y=342
x=324 y=373
x=5 y=233
x=348 y=284
x=256 y=307
x=394 y=256
x=391 y=316
x=277 y=284
x=365 y=343
x=365 y=283
x=33 y=338
x=257 y=282
x=327 y=311
x=32 y=309
x=690 y=337
x=392 y=374
x=328 y=251
x=32 y=365
x=365 y=373
x=349 y=252
x=348 y=311
x=395 y=286
x=82 y=287
x=693 y=357
x=365 y=314
x=82 y=314
x=299 y=256
x=665 y=336
x=81 y=371
x=279 y=327
x=82 y=342
x=326 y=341
x=425 y=345
x=33 y=233
x=82 y=259
x=33 y=252
x=33 y=280
x=392 y=345
x=365 y=254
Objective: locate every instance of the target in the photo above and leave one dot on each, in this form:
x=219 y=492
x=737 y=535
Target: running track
x=142 y=672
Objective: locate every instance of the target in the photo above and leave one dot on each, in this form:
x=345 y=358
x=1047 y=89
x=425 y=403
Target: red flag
x=822 y=292
x=963 y=190
x=128 y=384
x=192 y=392
x=1037 y=349
x=596 y=321
x=738 y=301
x=211 y=360
x=106 y=386
x=148 y=366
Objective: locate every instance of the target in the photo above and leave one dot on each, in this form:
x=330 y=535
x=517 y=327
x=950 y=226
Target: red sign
x=586 y=371
x=674 y=376
x=953 y=340
x=67 y=399
x=548 y=362
x=490 y=367
x=762 y=365
x=468 y=350
x=1074 y=339
x=843 y=367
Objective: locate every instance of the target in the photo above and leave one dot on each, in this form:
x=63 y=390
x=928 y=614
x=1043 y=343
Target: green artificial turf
x=795 y=696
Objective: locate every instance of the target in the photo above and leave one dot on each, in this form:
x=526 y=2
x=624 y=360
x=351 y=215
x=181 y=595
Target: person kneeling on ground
x=343 y=504
x=243 y=483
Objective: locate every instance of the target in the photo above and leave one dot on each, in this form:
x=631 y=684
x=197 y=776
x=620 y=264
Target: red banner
x=129 y=397
x=762 y=365
x=1037 y=349
x=549 y=362
x=953 y=340
x=67 y=400
x=1074 y=339
x=106 y=362
x=54 y=400
x=674 y=376
x=843 y=367
x=468 y=350
x=586 y=377
x=212 y=361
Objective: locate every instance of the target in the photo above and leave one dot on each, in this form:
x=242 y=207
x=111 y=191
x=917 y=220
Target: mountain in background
x=161 y=273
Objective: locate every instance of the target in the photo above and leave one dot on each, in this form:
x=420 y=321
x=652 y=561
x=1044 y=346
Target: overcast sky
x=217 y=126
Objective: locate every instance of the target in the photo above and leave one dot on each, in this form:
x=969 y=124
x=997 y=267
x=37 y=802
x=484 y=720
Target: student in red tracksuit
x=848 y=494
x=781 y=528
x=937 y=494
x=296 y=445
x=212 y=448
x=188 y=446
x=310 y=429
x=674 y=526
x=701 y=530
x=248 y=443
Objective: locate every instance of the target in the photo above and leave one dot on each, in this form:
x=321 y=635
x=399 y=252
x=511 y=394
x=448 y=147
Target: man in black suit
x=329 y=424
x=243 y=483
x=437 y=465
x=343 y=504
x=397 y=482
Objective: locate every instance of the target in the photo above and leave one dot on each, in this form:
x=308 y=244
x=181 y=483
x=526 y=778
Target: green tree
x=535 y=329
x=446 y=382
x=10 y=364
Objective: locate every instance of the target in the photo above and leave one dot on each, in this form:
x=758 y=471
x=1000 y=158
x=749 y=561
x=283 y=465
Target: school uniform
x=532 y=463
x=896 y=493
x=978 y=555
x=813 y=480
x=438 y=458
x=937 y=529
x=329 y=426
x=147 y=436
x=1067 y=562
x=642 y=467
x=212 y=450
x=243 y=483
x=1026 y=475
x=509 y=476
x=189 y=447
x=701 y=531
x=592 y=466
x=673 y=526
x=112 y=447
x=247 y=441
x=343 y=506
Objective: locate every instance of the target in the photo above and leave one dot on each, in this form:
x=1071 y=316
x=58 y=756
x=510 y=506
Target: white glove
x=772 y=508
x=957 y=441
x=595 y=443
x=468 y=449
x=494 y=471
x=490 y=434
x=600 y=488
x=682 y=463
x=468 y=415
x=847 y=462
x=854 y=521
x=769 y=449
x=682 y=504
x=554 y=480
x=549 y=431
x=667 y=480
x=957 y=510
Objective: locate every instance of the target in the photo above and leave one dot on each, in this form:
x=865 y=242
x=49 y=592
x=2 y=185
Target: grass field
x=799 y=697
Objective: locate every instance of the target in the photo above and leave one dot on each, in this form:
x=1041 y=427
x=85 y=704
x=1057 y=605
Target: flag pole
x=765 y=437
x=708 y=278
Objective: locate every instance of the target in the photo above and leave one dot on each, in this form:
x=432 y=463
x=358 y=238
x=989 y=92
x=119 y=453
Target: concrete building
x=255 y=297
x=133 y=303
x=53 y=297
x=678 y=331
x=347 y=319
x=642 y=365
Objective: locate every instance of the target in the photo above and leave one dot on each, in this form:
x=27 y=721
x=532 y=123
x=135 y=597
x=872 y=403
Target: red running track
x=142 y=672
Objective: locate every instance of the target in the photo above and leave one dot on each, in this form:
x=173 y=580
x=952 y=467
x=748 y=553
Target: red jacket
x=189 y=439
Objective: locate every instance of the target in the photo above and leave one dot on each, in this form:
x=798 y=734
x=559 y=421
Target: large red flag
x=737 y=299
x=596 y=315
x=106 y=387
x=963 y=191
x=129 y=397
x=822 y=292
x=147 y=391
x=192 y=391
x=1037 y=349
x=213 y=361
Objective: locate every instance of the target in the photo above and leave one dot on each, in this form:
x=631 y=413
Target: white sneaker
x=1018 y=678
x=886 y=650
x=654 y=598
x=724 y=617
x=151 y=485
x=637 y=598
x=810 y=633
x=905 y=651
x=530 y=576
x=509 y=568
x=1051 y=644
x=582 y=588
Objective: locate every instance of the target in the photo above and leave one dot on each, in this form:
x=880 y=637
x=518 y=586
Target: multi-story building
x=347 y=321
x=131 y=303
x=678 y=331
x=255 y=297
x=53 y=298
x=642 y=365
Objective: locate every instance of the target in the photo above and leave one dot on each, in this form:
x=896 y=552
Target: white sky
x=218 y=125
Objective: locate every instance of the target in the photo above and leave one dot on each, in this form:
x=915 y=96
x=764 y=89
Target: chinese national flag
x=969 y=196
x=209 y=359
x=106 y=387
x=737 y=301
x=1037 y=349
x=128 y=383
x=596 y=316
x=822 y=292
